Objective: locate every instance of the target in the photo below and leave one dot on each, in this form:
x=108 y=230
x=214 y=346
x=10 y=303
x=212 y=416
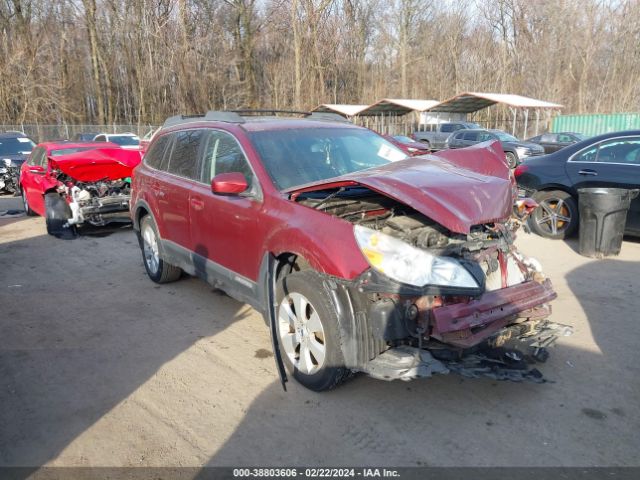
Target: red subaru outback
x=359 y=258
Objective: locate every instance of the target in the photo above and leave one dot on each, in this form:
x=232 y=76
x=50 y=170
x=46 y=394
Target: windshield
x=505 y=137
x=67 y=151
x=124 y=140
x=402 y=138
x=16 y=146
x=299 y=156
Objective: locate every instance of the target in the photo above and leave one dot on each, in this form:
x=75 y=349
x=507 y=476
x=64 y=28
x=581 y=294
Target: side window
x=447 y=127
x=548 y=138
x=222 y=154
x=565 y=138
x=622 y=150
x=154 y=156
x=100 y=138
x=588 y=155
x=472 y=136
x=485 y=136
x=536 y=139
x=184 y=156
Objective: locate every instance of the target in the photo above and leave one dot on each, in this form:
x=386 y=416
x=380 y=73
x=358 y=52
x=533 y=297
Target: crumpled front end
x=438 y=301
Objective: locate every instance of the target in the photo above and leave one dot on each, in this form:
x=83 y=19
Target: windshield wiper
x=329 y=197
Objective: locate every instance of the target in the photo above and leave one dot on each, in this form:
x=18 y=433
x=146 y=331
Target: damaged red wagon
x=74 y=183
x=359 y=258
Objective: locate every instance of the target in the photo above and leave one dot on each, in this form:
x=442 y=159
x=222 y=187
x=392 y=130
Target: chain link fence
x=44 y=133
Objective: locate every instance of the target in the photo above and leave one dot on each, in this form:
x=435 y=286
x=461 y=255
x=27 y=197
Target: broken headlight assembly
x=410 y=265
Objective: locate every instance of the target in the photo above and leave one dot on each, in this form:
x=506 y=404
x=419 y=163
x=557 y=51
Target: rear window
x=304 y=155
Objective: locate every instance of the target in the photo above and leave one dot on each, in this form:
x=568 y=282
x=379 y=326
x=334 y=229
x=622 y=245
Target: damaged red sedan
x=74 y=183
x=360 y=258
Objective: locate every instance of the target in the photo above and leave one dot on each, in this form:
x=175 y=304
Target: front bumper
x=467 y=324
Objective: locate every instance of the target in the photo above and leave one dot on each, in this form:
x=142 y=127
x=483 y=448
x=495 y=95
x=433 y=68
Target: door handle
x=593 y=173
x=197 y=204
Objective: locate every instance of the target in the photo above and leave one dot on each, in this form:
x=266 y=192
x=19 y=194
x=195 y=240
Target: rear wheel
x=158 y=270
x=308 y=334
x=512 y=159
x=556 y=216
x=25 y=203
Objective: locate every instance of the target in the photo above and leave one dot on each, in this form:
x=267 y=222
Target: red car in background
x=409 y=146
x=74 y=183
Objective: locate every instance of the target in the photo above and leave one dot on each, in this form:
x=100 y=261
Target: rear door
x=224 y=232
x=171 y=187
x=611 y=163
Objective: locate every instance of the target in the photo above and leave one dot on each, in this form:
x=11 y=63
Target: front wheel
x=512 y=160
x=158 y=270
x=308 y=333
x=556 y=216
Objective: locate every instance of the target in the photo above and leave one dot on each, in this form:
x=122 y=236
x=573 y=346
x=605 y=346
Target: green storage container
x=596 y=124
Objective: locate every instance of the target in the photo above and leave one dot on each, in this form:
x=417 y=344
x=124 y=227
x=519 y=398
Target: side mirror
x=232 y=183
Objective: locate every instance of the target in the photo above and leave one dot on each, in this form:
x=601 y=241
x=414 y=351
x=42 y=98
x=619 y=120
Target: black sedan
x=609 y=160
x=514 y=149
x=552 y=142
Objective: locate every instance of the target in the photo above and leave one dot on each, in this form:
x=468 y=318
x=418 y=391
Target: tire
x=556 y=216
x=57 y=215
x=25 y=203
x=512 y=160
x=158 y=270
x=310 y=343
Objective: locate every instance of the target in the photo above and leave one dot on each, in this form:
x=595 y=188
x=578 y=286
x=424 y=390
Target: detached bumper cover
x=467 y=324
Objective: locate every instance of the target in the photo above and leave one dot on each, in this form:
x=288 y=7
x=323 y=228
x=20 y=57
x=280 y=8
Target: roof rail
x=212 y=115
x=334 y=117
x=235 y=116
x=267 y=111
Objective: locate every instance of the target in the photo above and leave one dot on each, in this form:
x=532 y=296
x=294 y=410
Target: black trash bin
x=603 y=216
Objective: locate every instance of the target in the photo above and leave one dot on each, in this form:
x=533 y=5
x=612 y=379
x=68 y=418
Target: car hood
x=98 y=164
x=456 y=188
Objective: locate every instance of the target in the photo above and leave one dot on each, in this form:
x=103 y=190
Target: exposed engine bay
x=499 y=330
x=96 y=203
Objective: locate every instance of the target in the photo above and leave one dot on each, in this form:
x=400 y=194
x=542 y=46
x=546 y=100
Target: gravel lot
x=101 y=367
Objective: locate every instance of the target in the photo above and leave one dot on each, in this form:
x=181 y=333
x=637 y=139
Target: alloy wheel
x=150 y=248
x=301 y=333
x=553 y=215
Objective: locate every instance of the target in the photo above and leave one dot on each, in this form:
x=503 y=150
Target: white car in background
x=125 y=140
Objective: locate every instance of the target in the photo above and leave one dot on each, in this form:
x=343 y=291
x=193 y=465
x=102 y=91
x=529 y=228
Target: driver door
x=33 y=177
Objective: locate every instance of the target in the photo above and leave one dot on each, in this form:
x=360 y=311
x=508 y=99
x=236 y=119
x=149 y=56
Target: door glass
x=222 y=154
x=621 y=150
x=184 y=157
x=447 y=128
x=472 y=136
x=548 y=138
x=588 y=155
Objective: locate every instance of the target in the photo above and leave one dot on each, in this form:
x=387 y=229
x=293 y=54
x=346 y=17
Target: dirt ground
x=101 y=367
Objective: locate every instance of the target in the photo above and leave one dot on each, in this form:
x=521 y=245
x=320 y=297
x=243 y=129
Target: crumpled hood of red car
x=97 y=164
x=456 y=188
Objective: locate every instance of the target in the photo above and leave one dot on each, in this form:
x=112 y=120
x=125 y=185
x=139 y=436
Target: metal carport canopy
x=397 y=106
x=470 y=102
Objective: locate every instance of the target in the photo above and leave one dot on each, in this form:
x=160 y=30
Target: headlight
x=412 y=150
x=406 y=264
x=523 y=151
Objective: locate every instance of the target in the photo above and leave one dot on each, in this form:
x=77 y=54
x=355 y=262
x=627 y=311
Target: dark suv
x=360 y=258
